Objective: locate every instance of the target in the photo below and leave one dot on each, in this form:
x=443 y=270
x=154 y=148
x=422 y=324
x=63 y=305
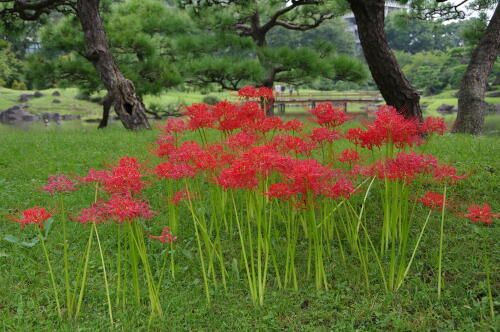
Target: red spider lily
x=288 y=143
x=169 y=170
x=174 y=126
x=349 y=156
x=405 y=166
x=265 y=125
x=96 y=214
x=389 y=127
x=280 y=190
x=94 y=176
x=306 y=179
x=250 y=112
x=125 y=178
x=481 y=213
x=120 y=208
x=164 y=149
x=200 y=116
x=248 y=92
x=447 y=174
x=166 y=236
x=188 y=151
x=182 y=195
x=434 y=125
x=266 y=93
x=59 y=183
x=432 y=200
x=320 y=135
x=34 y=216
x=252 y=165
x=328 y=116
x=293 y=125
x=242 y=140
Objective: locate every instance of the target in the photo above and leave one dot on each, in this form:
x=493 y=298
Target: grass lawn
x=26 y=302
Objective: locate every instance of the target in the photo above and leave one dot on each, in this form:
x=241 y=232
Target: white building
x=390 y=6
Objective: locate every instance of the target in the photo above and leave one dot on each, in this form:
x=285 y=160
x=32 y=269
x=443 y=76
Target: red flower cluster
x=252 y=92
x=348 y=156
x=411 y=165
x=123 y=179
x=328 y=116
x=389 y=127
x=432 y=200
x=59 y=183
x=307 y=179
x=434 y=125
x=481 y=213
x=166 y=236
x=120 y=209
x=34 y=216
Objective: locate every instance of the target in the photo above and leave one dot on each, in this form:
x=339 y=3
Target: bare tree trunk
x=392 y=83
x=471 y=104
x=127 y=104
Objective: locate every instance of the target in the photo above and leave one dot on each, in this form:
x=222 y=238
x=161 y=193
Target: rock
x=56 y=101
x=51 y=116
x=25 y=97
x=493 y=94
x=445 y=108
x=17 y=113
x=38 y=94
x=67 y=117
x=56 y=93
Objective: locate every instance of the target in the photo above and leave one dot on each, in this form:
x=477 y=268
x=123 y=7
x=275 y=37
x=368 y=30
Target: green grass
x=27 y=157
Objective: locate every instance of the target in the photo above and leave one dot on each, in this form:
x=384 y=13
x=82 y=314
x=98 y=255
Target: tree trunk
x=127 y=104
x=107 y=102
x=471 y=104
x=392 y=83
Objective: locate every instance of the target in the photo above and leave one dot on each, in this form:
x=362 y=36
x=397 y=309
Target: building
x=390 y=6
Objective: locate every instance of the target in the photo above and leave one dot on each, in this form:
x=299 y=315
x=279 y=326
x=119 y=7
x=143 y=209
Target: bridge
x=340 y=100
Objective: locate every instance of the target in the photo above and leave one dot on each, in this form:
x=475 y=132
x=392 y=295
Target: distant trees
x=249 y=42
x=121 y=90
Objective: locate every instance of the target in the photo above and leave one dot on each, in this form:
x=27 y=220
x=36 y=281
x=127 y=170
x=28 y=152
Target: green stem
x=65 y=251
x=104 y=274
x=50 y=272
x=84 y=277
x=440 y=259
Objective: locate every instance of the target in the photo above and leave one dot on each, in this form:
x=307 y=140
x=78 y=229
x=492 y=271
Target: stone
x=56 y=101
x=67 y=117
x=25 y=97
x=38 y=94
x=17 y=113
x=56 y=93
x=445 y=108
x=51 y=116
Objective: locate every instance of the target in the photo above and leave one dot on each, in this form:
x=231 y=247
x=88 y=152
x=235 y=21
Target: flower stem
x=105 y=275
x=440 y=259
x=49 y=265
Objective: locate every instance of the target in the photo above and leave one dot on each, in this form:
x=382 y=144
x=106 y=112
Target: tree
x=386 y=72
x=141 y=50
x=242 y=30
x=121 y=90
x=471 y=104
